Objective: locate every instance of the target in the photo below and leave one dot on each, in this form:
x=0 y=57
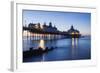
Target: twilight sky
x=62 y=20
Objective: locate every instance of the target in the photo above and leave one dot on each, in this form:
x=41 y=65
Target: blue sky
x=62 y=20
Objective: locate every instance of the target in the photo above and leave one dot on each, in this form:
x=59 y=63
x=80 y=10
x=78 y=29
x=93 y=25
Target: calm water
x=65 y=49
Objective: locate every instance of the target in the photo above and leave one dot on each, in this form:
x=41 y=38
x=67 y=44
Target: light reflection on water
x=74 y=47
x=42 y=44
x=66 y=49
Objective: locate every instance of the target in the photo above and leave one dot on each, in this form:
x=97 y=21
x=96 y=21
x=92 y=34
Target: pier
x=37 y=32
x=45 y=32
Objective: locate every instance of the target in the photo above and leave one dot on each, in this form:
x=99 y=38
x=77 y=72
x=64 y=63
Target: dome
x=72 y=30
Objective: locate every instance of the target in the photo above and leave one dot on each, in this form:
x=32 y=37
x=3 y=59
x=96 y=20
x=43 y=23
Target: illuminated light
x=26 y=33
x=32 y=34
x=77 y=33
x=42 y=44
x=72 y=33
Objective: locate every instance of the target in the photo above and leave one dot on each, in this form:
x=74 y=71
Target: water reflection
x=42 y=44
x=74 y=42
x=64 y=49
x=74 y=47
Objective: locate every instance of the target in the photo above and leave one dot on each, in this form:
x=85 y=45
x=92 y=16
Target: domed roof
x=72 y=30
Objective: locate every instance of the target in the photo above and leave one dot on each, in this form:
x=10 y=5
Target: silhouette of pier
x=50 y=32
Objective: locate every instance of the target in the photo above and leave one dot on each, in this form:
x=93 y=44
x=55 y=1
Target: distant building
x=73 y=32
x=34 y=25
x=49 y=28
x=44 y=27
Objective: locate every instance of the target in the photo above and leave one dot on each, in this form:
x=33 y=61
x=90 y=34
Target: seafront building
x=38 y=31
